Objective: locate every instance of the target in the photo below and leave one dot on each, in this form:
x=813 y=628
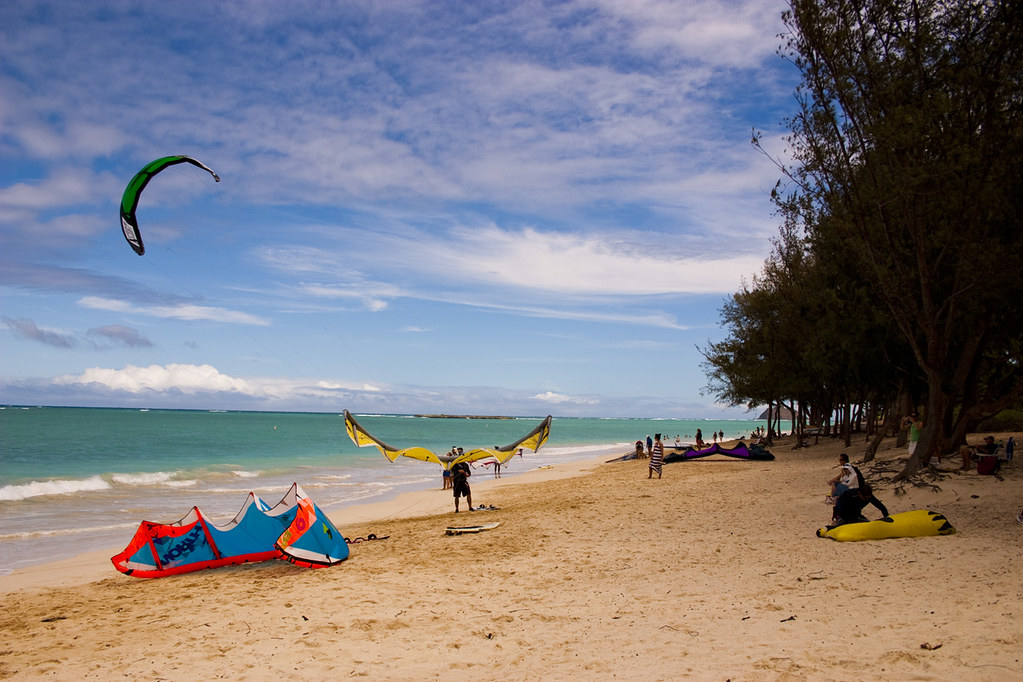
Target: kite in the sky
x=534 y=440
x=130 y=199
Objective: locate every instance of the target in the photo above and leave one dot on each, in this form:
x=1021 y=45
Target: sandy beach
x=713 y=572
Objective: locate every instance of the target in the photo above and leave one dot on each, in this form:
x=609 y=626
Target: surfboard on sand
x=458 y=530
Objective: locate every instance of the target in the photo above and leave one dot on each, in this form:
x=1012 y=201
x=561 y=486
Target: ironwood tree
x=906 y=150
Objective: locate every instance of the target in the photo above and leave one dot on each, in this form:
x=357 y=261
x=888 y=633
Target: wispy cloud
x=27 y=329
x=121 y=335
x=180 y=312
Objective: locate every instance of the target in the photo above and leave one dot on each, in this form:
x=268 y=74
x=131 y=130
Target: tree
x=906 y=145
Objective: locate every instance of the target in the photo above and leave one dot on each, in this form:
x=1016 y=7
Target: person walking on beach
x=649 y=444
x=656 y=457
x=460 y=474
x=699 y=439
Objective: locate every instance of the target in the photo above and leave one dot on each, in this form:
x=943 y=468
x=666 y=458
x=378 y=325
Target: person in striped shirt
x=656 y=456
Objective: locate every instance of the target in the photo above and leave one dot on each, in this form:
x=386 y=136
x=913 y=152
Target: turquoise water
x=80 y=479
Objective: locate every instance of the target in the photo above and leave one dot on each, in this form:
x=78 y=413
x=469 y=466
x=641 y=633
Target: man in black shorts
x=460 y=483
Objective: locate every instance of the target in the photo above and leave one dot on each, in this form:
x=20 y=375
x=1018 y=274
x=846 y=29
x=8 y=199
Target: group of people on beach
x=850 y=493
x=456 y=478
x=655 y=449
x=967 y=454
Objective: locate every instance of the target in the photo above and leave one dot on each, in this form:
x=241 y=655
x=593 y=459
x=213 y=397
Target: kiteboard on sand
x=458 y=530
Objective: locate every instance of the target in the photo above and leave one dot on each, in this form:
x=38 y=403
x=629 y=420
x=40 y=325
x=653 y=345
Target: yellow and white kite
x=534 y=440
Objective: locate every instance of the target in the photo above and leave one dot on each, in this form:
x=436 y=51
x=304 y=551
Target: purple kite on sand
x=741 y=451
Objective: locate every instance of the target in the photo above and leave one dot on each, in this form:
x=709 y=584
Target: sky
x=520 y=208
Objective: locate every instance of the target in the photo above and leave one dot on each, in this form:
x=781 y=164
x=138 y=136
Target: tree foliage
x=905 y=194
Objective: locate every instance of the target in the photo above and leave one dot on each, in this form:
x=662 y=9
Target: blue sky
x=500 y=207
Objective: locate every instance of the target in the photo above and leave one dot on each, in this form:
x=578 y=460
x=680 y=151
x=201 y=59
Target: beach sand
x=713 y=572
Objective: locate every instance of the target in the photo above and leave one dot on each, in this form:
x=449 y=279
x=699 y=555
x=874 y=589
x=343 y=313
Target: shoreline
x=712 y=572
x=95 y=565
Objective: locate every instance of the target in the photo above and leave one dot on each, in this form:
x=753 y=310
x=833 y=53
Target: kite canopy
x=294 y=529
x=534 y=440
x=130 y=199
x=753 y=452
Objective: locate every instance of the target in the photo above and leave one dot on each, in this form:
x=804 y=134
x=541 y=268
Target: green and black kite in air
x=130 y=200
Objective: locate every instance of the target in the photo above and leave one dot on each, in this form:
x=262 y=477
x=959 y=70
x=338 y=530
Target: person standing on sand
x=649 y=444
x=699 y=439
x=656 y=457
x=447 y=472
x=915 y=426
x=460 y=474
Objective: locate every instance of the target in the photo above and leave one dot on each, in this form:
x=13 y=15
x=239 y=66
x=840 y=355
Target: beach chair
x=991 y=464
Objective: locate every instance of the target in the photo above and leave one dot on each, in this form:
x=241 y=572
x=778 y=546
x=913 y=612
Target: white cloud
x=585 y=265
x=337 y=386
x=159 y=379
x=200 y=380
x=182 y=311
x=559 y=399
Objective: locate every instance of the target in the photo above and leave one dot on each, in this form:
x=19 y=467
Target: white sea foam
x=180 y=484
x=154 y=478
x=53 y=487
x=246 y=474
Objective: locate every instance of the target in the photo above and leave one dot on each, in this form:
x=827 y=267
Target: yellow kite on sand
x=534 y=440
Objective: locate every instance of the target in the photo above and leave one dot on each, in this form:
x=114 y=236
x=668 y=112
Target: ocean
x=75 y=480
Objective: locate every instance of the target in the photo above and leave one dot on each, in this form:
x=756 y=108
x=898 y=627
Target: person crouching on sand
x=656 y=457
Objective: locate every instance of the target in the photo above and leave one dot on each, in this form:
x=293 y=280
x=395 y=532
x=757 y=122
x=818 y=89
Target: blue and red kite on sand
x=294 y=529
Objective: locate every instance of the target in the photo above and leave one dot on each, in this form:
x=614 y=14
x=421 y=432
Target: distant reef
x=460 y=416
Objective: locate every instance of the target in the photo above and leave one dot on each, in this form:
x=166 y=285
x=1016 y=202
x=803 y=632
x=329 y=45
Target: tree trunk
x=879 y=434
